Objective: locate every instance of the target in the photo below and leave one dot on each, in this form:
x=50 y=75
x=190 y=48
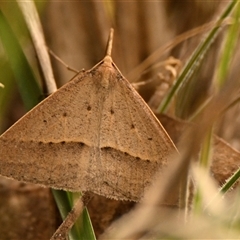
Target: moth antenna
x=110 y=42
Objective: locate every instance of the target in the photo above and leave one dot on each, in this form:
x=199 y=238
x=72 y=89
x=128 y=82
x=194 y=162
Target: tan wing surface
x=94 y=134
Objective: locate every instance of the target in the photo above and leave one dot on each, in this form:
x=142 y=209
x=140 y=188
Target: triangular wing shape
x=93 y=134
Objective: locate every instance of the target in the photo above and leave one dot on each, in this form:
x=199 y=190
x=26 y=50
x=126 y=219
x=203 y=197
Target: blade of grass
x=86 y=227
x=206 y=150
x=26 y=81
x=224 y=189
x=82 y=229
x=204 y=163
x=35 y=28
x=195 y=59
x=228 y=50
x=230 y=182
x=155 y=56
x=7 y=80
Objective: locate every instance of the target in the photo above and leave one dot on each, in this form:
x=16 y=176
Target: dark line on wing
x=82 y=144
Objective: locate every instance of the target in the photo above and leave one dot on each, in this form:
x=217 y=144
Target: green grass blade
x=228 y=51
x=63 y=202
x=86 y=227
x=206 y=150
x=230 y=182
x=82 y=228
x=204 y=162
x=7 y=80
x=26 y=81
x=195 y=59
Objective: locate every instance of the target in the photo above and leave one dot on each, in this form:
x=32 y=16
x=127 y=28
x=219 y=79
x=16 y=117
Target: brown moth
x=94 y=134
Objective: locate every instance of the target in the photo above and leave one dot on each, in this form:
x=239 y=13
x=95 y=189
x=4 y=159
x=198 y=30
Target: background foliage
x=194 y=72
